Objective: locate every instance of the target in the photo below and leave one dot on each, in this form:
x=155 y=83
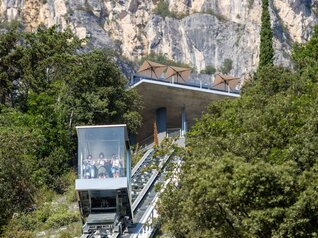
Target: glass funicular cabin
x=104 y=172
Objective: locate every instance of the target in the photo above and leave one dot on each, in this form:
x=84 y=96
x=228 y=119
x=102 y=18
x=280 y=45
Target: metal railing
x=174 y=132
x=147 y=143
x=150 y=182
x=141 y=161
x=146 y=225
x=135 y=78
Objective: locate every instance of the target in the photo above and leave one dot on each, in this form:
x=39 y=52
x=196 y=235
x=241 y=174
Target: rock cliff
x=197 y=32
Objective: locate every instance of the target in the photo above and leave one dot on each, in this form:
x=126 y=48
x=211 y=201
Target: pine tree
x=266 y=57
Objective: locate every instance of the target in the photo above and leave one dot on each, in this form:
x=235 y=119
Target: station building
x=173 y=101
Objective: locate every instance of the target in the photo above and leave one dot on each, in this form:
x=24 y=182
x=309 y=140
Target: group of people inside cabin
x=102 y=167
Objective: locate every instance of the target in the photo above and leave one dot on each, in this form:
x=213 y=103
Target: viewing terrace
x=152 y=72
x=173 y=99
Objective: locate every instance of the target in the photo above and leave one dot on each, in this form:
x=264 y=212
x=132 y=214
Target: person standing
x=115 y=166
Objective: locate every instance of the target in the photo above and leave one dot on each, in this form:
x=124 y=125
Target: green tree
x=266 y=46
x=48 y=86
x=52 y=78
x=241 y=172
x=305 y=57
x=249 y=169
x=9 y=71
x=19 y=139
x=98 y=95
x=44 y=57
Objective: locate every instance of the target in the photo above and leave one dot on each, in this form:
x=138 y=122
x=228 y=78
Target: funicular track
x=146 y=173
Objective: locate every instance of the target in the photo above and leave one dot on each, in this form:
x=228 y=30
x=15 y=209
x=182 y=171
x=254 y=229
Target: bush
x=18 y=234
x=69 y=180
x=162 y=9
x=66 y=234
x=227 y=66
x=19 y=223
x=163 y=59
x=61 y=218
x=48 y=215
x=209 y=69
x=136 y=155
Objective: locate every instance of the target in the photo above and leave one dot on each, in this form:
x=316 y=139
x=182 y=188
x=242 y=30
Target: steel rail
x=150 y=182
x=141 y=161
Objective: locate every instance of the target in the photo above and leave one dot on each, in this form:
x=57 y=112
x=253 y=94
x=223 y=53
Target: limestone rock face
x=197 y=32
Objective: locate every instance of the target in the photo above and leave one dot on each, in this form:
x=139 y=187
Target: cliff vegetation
x=250 y=167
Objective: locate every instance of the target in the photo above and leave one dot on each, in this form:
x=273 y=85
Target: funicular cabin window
x=101 y=153
x=104 y=204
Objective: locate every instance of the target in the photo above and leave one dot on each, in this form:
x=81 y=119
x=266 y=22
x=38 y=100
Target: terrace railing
x=135 y=78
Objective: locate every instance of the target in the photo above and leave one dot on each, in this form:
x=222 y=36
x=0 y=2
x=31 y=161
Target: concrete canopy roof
x=173 y=97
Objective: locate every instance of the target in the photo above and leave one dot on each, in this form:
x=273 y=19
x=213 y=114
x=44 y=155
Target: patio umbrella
x=151 y=69
x=182 y=73
x=224 y=81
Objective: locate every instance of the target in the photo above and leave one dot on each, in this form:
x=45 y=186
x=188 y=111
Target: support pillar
x=161 y=120
x=183 y=122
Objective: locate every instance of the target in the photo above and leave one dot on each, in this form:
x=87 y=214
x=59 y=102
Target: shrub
x=163 y=59
x=227 y=66
x=18 y=234
x=69 y=179
x=60 y=218
x=209 y=69
x=136 y=155
x=46 y=216
x=66 y=234
x=163 y=9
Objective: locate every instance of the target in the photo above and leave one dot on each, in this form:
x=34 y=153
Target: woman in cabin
x=90 y=170
x=116 y=165
x=102 y=163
